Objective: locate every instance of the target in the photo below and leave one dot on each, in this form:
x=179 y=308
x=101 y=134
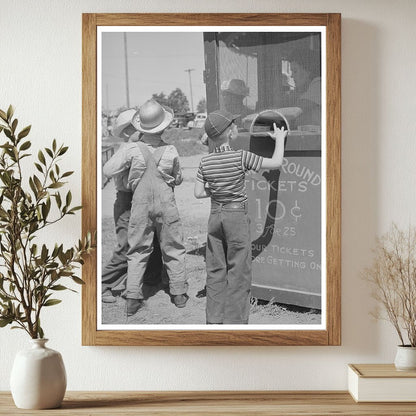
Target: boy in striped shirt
x=221 y=176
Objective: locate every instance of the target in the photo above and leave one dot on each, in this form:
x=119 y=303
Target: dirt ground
x=158 y=307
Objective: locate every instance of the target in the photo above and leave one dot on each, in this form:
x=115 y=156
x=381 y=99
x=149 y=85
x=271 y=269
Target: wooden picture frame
x=330 y=334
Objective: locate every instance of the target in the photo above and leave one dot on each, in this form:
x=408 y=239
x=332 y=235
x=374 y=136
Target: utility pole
x=106 y=98
x=190 y=87
x=126 y=66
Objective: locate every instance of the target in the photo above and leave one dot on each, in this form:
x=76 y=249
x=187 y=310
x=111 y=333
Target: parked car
x=198 y=122
x=182 y=119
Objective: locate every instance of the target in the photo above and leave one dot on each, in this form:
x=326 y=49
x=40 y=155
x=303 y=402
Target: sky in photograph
x=157 y=62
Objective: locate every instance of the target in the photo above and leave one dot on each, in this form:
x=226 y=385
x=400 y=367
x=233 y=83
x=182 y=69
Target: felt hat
x=217 y=122
x=152 y=117
x=235 y=86
x=123 y=120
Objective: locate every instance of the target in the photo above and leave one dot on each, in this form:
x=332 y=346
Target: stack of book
x=381 y=383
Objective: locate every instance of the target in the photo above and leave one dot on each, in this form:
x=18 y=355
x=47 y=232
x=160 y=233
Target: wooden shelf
x=270 y=403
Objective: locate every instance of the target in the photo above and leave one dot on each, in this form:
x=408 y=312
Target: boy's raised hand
x=278 y=134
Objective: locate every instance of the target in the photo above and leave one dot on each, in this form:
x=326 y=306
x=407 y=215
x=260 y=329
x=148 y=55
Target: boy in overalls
x=114 y=273
x=154 y=171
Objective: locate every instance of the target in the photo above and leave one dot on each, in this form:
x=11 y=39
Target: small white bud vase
x=405 y=358
x=38 y=377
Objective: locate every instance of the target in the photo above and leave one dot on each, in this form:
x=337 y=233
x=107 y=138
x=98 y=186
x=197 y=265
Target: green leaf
x=51 y=302
x=78 y=280
x=68 y=199
x=59 y=287
x=62 y=257
x=37 y=182
x=33 y=187
x=58 y=199
x=55 y=251
x=5 y=321
x=8 y=133
x=44 y=253
x=67 y=174
x=25 y=145
x=10 y=112
x=3 y=115
x=56 y=185
x=41 y=157
x=49 y=152
x=63 y=150
x=24 y=132
x=14 y=125
x=40 y=332
x=45 y=211
x=24 y=155
x=77 y=208
x=39 y=167
x=54 y=145
x=4 y=298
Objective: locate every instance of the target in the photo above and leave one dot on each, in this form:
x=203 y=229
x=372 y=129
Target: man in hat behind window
x=233 y=93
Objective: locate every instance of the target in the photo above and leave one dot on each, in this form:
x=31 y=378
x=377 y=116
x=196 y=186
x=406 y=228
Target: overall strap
x=158 y=153
x=148 y=155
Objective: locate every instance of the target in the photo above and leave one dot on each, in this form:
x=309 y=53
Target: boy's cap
x=122 y=121
x=217 y=122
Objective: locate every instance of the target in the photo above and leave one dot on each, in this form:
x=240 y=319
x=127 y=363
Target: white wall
x=40 y=73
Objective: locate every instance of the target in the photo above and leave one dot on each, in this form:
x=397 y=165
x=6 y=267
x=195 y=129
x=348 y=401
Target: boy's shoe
x=107 y=297
x=180 y=300
x=133 y=305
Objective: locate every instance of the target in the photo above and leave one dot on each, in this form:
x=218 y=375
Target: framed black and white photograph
x=158 y=92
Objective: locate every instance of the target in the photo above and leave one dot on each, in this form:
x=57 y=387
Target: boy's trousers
x=153 y=211
x=114 y=273
x=228 y=264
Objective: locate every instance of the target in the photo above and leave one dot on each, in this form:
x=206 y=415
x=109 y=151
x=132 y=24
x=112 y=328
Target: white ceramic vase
x=405 y=358
x=38 y=377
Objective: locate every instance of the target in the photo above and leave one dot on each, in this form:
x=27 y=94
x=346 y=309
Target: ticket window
x=253 y=71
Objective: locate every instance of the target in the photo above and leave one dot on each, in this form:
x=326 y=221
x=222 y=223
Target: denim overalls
x=114 y=273
x=154 y=210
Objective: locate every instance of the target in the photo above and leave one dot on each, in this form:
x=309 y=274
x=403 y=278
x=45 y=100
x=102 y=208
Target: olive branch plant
x=30 y=272
x=393 y=278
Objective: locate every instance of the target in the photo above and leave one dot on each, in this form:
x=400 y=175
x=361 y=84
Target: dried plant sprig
x=393 y=277
x=31 y=274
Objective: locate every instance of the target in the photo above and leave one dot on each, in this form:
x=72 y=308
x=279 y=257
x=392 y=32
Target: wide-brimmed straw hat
x=123 y=120
x=152 y=117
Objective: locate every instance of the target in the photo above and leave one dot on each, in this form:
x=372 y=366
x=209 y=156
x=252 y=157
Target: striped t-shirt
x=224 y=171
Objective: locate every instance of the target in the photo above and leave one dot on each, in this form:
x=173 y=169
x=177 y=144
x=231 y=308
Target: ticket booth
x=285 y=206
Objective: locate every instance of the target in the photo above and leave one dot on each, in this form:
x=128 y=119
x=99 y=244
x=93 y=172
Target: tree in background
x=161 y=98
x=202 y=106
x=178 y=102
